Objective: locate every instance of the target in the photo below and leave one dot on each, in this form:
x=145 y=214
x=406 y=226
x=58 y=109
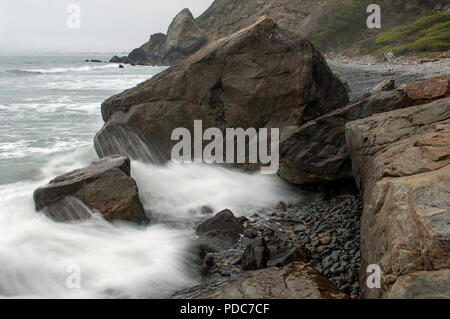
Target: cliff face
x=331 y=25
x=184 y=37
x=227 y=16
x=340 y=25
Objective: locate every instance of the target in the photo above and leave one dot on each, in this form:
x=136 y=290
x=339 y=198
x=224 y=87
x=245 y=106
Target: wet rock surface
x=105 y=186
x=322 y=234
x=295 y=281
x=221 y=231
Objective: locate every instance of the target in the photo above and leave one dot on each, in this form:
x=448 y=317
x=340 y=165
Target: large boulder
x=184 y=37
x=105 y=186
x=295 y=281
x=401 y=163
x=259 y=77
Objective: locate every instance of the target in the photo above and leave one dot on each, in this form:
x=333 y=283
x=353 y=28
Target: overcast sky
x=105 y=25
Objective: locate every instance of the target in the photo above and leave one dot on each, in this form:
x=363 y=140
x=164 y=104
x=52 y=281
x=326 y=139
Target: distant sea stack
x=184 y=37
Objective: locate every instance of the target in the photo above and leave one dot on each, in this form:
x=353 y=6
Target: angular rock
x=104 y=186
x=184 y=37
x=288 y=255
x=317 y=152
x=155 y=48
x=224 y=220
x=401 y=163
x=117 y=59
x=138 y=56
x=259 y=77
x=422 y=285
x=255 y=256
x=221 y=231
x=281 y=206
x=430 y=89
x=295 y=281
x=386 y=85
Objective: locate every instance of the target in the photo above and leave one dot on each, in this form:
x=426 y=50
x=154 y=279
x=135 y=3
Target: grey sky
x=106 y=25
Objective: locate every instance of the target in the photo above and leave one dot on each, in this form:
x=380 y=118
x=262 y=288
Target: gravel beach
x=364 y=73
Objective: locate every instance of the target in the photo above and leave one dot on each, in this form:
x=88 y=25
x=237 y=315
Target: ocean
x=49 y=114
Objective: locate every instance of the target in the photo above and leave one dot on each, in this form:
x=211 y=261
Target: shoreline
x=327 y=227
x=365 y=72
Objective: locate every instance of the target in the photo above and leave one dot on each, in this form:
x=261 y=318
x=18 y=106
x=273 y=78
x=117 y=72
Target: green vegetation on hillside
x=427 y=34
x=341 y=25
x=407 y=26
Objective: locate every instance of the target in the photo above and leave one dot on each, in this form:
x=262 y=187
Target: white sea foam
x=71 y=69
x=20 y=149
x=180 y=189
x=120 y=259
x=116 y=260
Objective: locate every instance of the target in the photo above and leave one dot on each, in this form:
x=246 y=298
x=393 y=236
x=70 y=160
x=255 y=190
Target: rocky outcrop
x=117 y=59
x=295 y=281
x=224 y=17
x=155 y=48
x=401 y=163
x=316 y=152
x=105 y=186
x=260 y=77
x=137 y=56
x=184 y=37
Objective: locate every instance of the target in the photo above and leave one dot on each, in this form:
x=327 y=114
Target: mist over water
x=49 y=114
x=179 y=191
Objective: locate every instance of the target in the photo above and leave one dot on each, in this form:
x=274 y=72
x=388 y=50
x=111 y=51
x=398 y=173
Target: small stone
x=325 y=240
x=300 y=228
x=281 y=206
